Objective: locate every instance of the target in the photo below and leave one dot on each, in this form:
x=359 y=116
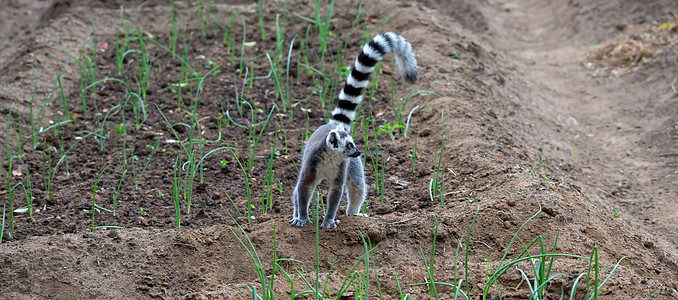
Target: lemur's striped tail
x=352 y=94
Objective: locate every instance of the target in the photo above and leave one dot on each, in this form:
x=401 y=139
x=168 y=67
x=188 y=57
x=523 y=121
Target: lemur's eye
x=349 y=146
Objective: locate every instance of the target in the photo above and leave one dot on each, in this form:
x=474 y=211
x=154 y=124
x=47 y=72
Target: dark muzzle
x=354 y=152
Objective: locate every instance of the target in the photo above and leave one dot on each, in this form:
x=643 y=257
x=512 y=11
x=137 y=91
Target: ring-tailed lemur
x=330 y=153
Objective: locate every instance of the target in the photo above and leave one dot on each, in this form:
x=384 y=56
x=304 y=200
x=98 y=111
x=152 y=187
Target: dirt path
x=612 y=124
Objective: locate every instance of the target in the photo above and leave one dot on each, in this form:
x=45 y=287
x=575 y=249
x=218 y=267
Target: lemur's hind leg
x=301 y=197
x=355 y=185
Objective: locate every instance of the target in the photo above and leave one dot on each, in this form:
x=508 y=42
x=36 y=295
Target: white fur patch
x=359 y=84
x=356 y=99
x=362 y=68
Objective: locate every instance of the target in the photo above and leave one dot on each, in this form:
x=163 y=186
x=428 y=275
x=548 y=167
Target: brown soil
x=567 y=106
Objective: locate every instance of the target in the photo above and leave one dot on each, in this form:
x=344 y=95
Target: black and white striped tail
x=352 y=94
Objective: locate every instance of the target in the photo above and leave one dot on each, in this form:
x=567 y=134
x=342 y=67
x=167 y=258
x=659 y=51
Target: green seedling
x=204 y=12
x=233 y=203
x=34 y=124
x=287 y=77
x=53 y=171
x=276 y=81
x=464 y=66
x=46 y=166
x=27 y=186
x=10 y=158
x=322 y=24
x=390 y=129
x=242 y=49
x=124 y=29
x=541 y=265
x=173 y=29
x=201 y=19
x=176 y=191
x=541 y=272
x=229 y=36
x=266 y=279
x=193 y=149
x=94 y=193
x=321 y=89
x=117 y=190
x=2 y=228
x=413 y=156
x=137 y=178
x=260 y=12
x=267 y=196
x=398 y=109
x=430 y=265
x=247 y=183
x=616 y=213
x=87 y=72
x=436 y=187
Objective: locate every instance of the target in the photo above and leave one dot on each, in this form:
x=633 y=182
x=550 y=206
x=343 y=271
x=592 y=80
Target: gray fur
x=322 y=162
x=330 y=154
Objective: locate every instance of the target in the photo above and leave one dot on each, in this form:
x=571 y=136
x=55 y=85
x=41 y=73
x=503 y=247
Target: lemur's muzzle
x=354 y=152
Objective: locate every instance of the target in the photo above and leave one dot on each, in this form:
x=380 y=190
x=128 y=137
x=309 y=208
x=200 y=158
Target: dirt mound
x=505 y=140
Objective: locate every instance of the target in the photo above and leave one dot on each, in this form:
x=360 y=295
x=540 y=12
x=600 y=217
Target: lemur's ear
x=333 y=139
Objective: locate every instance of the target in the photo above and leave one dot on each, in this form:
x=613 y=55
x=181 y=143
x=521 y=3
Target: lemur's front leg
x=335 y=193
x=301 y=197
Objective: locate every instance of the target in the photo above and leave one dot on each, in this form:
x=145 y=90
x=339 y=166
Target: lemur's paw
x=299 y=222
x=329 y=223
x=358 y=214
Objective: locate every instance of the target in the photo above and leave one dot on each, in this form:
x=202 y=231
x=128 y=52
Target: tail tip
x=410 y=76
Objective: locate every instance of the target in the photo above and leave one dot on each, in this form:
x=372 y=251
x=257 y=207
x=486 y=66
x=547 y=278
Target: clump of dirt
x=528 y=148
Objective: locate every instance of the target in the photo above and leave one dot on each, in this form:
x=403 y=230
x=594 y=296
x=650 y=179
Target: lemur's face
x=341 y=141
